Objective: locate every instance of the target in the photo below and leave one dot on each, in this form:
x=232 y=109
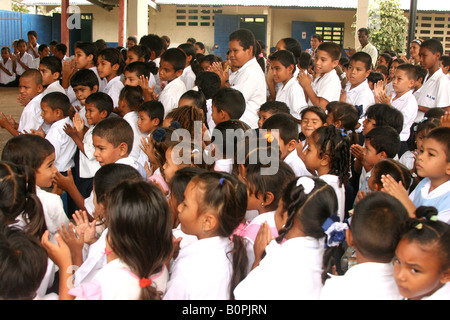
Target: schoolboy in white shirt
x=188 y=76
x=376 y=219
x=357 y=91
x=287 y=137
x=172 y=64
x=23 y=60
x=435 y=92
x=326 y=86
x=110 y=66
x=50 y=69
x=7 y=76
x=55 y=112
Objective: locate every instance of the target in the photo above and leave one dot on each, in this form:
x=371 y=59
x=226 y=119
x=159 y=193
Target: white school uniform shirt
x=371 y=50
x=88 y=163
x=202 y=271
x=132 y=118
x=36 y=49
x=327 y=86
x=438 y=198
x=252 y=228
x=94 y=260
x=251 y=82
x=31 y=116
x=407 y=105
x=65 y=147
x=53 y=210
x=54 y=87
x=188 y=77
x=113 y=88
x=361 y=95
x=171 y=94
x=209 y=119
x=132 y=162
x=297 y=164
x=408 y=159
x=116 y=281
x=5 y=78
x=26 y=59
x=289 y=271
x=293 y=95
x=435 y=92
x=186 y=239
x=363 y=281
x=333 y=181
x=442 y=294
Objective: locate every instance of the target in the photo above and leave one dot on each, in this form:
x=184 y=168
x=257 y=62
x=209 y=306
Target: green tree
x=19 y=7
x=388 y=25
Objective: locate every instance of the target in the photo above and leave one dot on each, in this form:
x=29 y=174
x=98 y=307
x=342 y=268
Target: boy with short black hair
x=373 y=78
x=227 y=104
x=435 y=92
x=270 y=108
x=7 y=76
x=60 y=52
x=357 y=90
x=287 y=137
x=55 y=112
x=421 y=75
x=33 y=46
x=380 y=143
x=405 y=77
x=326 y=86
x=30 y=92
x=188 y=75
x=249 y=78
x=374 y=232
x=172 y=64
x=110 y=66
x=50 y=68
x=23 y=60
x=98 y=107
x=84 y=82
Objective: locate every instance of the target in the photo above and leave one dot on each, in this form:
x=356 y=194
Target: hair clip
x=269 y=138
x=434 y=218
x=159 y=134
x=144 y=282
x=107 y=252
x=307 y=183
x=419 y=226
x=343 y=133
x=221 y=181
x=175 y=125
x=335 y=231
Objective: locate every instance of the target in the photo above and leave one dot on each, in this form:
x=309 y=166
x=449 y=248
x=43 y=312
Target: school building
x=211 y=21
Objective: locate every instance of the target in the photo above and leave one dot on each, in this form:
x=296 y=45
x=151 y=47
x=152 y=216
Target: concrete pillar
x=122 y=22
x=362 y=18
x=137 y=18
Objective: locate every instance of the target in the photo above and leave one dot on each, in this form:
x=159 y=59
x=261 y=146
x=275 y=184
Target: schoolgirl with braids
x=328 y=155
x=213 y=207
x=422 y=258
x=296 y=262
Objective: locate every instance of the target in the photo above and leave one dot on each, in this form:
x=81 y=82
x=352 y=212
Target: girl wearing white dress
x=213 y=207
x=296 y=263
x=138 y=245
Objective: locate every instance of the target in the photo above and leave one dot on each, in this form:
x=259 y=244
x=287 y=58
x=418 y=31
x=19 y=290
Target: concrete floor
x=9 y=106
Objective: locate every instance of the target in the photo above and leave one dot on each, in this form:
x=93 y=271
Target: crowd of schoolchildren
x=96 y=204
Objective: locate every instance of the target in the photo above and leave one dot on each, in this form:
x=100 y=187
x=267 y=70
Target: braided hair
x=335 y=143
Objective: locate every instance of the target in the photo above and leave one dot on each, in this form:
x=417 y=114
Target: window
x=333 y=32
x=195 y=13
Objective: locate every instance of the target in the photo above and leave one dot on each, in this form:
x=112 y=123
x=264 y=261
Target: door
x=302 y=31
x=224 y=25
